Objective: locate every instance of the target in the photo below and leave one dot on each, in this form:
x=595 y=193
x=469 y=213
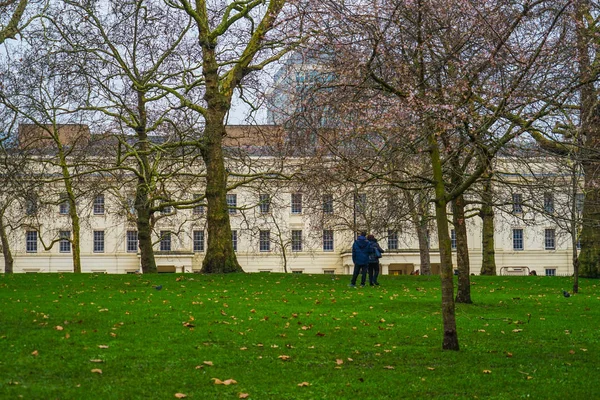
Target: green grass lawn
x=271 y=333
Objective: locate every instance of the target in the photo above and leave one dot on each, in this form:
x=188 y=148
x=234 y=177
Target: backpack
x=374 y=253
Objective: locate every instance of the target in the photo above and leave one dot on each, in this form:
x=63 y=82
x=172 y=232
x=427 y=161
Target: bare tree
x=440 y=64
x=234 y=41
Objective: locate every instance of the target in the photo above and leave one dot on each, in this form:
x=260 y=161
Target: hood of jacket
x=362 y=242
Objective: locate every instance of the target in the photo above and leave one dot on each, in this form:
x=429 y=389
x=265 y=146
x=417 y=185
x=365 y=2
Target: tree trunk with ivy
x=220 y=79
x=589 y=258
x=145 y=184
x=220 y=256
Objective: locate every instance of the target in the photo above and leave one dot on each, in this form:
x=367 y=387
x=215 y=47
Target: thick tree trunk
x=220 y=257
x=488 y=263
x=144 y=228
x=450 y=341
x=8 y=258
x=574 y=223
x=143 y=190
x=74 y=216
x=463 y=294
x=589 y=258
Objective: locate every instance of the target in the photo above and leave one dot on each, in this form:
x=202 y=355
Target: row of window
x=549 y=239
x=31 y=241
x=98 y=205
x=360 y=202
x=296 y=205
x=517 y=203
x=265 y=241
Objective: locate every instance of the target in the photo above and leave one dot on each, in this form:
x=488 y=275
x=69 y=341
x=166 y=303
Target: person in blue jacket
x=360 y=257
x=374 y=256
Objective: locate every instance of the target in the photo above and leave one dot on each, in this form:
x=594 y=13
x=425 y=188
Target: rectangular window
x=265 y=241
x=578 y=243
x=63 y=207
x=232 y=203
x=296 y=240
x=98 y=241
x=453 y=239
x=550 y=271
x=392 y=240
x=131 y=204
x=31 y=203
x=99 y=205
x=264 y=201
x=198 y=241
x=132 y=241
x=327 y=240
x=550 y=239
x=517 y=203
x=166 y=210
x=517 y=239
x=360 y=202
x=64 y=246
x=327 y=204
x=234 y=240
x=579 y=199
x=549 y=203
x=31 y=241
x=165 y=240
x=296 y=203
x=198 y=210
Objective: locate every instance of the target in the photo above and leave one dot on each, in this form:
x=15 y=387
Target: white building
x=285 y=229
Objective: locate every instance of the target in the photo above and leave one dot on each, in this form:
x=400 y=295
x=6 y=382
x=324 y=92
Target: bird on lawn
x=158 y=287
x=566 y=294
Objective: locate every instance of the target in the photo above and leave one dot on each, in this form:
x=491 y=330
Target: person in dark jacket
x=373 y=266
x=360 y=257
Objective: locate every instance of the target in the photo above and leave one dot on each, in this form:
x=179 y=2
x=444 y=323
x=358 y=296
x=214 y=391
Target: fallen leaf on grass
x=487 y=371
x=35 y=353
x=180 y=396
x=389 y=367
x=431 y=368
x=284 y=357
x=339 y=362
x=517 y=330
x=243 y=395
x=209 y=363
x=225 y=382
x=97 y=361
x=102 y=346
x=304 y=384
x=97 y=371
x=571 y=351
x=59 y=328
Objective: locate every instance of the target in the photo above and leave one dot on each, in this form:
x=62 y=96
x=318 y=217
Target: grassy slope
x=534 y=341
